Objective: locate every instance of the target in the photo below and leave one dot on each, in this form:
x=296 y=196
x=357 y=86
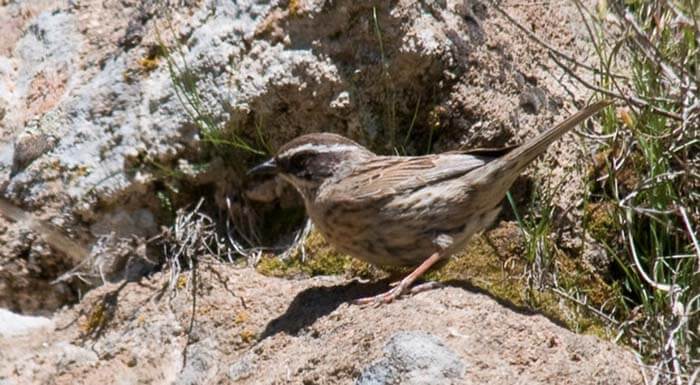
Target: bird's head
x=312 y=159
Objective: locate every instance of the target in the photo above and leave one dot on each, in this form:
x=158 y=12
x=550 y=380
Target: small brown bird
x=403 y=210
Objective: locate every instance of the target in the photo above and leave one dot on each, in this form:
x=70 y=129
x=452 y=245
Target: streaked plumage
x=400 y=210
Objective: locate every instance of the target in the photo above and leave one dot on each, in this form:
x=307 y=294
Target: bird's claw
x=399 y=288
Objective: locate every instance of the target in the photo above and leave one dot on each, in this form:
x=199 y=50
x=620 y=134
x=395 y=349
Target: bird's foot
x=399 y=288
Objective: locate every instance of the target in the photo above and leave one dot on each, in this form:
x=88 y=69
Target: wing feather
x=387 y=175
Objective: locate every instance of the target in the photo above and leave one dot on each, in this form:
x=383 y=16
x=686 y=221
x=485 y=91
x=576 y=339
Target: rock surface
x=414 y=358
x=12 y=324
x=252 y=329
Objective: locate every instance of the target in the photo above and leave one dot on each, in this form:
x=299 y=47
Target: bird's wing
x=387 y=175
x=491 y=152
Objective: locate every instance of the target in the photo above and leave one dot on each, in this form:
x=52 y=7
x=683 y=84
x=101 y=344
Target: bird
x=409 y=211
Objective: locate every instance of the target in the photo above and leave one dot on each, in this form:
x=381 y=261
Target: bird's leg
x=403 y=286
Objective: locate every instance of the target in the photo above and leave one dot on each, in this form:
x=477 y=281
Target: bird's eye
x=298 y=164
x=308 y=165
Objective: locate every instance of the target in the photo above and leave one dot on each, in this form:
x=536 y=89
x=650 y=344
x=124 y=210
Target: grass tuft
x=650 y=183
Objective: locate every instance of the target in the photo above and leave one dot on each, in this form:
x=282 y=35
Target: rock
x=123 y=224
x=12 y=324
x=201 y=364
x=414 y=358
x=243 y=368
x=251 y=329
x=67 y=355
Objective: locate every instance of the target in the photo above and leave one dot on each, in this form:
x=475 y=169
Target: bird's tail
x=518 y=158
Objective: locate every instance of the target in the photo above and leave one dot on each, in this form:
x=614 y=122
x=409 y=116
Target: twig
x=587 y=306
x=629 y=98
x=689 y=227
x=693 y=378
x=655 y=58
x=299 y=240
x=194 y=312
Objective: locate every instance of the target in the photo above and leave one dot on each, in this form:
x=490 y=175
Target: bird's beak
x=266 y=168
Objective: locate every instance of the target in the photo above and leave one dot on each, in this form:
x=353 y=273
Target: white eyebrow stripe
x=319 y=148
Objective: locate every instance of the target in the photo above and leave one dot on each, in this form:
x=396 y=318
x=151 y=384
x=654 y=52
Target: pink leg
x=402 y=286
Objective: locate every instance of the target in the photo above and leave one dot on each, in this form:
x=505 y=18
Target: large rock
x=252 y=329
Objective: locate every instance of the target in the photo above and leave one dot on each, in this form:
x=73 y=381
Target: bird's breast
x=401 y=230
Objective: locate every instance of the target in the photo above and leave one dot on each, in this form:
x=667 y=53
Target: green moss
x=96 y=319
x=321 y=259
x=494 y=263
x=293 y=7
x=600 y=221
x=481 y=265
x=148 y=64
x=273 y=266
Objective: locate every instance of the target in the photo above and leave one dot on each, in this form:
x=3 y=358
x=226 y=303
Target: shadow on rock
x=316 y=302
x=520 y=309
